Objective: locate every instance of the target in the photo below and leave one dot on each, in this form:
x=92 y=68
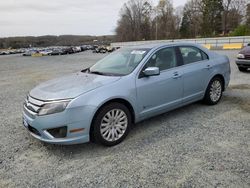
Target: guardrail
x=213 y=42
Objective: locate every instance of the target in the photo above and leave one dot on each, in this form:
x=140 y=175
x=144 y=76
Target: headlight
x=241 y=56
x=53 y=107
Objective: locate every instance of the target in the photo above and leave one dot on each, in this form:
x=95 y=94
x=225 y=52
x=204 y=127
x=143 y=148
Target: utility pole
x=156 y=23
x=156 y=29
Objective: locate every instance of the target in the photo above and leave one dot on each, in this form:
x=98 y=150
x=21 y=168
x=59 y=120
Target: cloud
x=27 y=5
x=57 y=5
x=55 y=17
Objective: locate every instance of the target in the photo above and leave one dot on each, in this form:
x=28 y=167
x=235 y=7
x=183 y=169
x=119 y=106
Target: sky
x=59 y=17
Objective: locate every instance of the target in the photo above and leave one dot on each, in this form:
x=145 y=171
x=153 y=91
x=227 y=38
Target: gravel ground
x=195 y=146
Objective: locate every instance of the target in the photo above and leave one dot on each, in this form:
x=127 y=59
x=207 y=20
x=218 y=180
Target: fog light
x=60 y=132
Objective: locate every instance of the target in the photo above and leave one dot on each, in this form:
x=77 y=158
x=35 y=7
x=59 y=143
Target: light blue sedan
x=102 y=102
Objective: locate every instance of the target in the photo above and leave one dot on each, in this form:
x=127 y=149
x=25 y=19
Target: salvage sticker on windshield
x=138 y=52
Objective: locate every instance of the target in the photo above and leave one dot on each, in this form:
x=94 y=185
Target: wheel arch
x=222 y=79
x=115 y=100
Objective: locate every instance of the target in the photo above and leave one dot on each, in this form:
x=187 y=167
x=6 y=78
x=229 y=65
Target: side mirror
x=151 y=71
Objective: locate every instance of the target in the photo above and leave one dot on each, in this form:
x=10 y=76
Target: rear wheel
x=242 y=69
x=111 y=124
x=214 y=91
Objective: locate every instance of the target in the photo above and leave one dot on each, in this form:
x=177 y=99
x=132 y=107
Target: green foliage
x=185 y=24
x=212 y=16
x=241 y=30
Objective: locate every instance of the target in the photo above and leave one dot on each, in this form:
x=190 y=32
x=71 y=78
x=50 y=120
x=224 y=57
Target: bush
x=241 y=30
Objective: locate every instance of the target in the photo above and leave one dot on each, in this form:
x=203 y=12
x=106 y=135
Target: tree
x=146 y=30
x=139 y=20
x=226 y=5
x=192 y=19
x=248 y=15
x=235 y=19
x=185 y=26
x=212 y=17
x=178 y=13
x=167 y=21
x=135 y=21
x=233 y=13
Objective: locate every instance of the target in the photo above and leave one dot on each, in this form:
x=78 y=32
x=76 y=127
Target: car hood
x=70 y=86
x=245 y=51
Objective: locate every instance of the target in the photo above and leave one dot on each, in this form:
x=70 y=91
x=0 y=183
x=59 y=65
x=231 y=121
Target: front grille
x=32 y=106
x=247 y=57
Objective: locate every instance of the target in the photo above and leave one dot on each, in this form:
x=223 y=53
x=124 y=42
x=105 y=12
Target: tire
x=107 y=130
x=242 y=69
x=214 y=91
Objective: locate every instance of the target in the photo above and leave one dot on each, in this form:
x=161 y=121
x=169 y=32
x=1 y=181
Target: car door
x=157 y=94
x=197 y=69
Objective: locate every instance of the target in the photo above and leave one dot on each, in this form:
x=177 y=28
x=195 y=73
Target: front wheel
x=214 y=91
x=111 y=124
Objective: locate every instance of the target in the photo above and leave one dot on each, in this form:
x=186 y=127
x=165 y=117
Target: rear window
x=192 y=54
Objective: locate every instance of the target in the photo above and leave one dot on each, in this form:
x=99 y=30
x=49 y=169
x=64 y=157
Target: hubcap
x=113 y=125
x=215 y=91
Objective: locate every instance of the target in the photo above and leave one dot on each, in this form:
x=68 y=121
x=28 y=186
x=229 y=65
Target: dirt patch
x=240 y=102
x=246 y=106
x=240 y=86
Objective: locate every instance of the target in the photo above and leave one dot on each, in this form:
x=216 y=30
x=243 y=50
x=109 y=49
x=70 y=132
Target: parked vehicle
x=110 y=49
x=11 y=51
x=57 y=52
x=243 y=59
x=30 y=52
x=90 y=47
x=46 y=52
x=101 y=103
x=37 y=54
x=96 y=50
x=4 y=53
x=84 y=48
x=100 y=49
x=68 y=50
x=77 y=49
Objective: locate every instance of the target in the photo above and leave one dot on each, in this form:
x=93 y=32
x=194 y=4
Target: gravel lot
x=195 y=146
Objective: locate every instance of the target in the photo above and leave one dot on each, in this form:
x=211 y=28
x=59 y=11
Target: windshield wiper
x=85 y=70
x=92 y=72
x=102 y=73
x=97 y=72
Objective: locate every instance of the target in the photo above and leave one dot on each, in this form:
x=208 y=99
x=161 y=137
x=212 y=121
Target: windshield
x=121 y=62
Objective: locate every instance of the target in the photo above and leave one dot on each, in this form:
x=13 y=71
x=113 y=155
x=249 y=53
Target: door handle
x=208 y=67
x=176 y=75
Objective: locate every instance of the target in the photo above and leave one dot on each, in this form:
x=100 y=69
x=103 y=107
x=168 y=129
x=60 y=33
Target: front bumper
x=74 y=119
x=243 y=63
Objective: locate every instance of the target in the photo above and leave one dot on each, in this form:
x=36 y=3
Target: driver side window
x=164 y=59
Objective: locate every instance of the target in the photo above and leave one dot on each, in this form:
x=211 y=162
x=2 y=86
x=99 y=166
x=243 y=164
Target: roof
x=158 y=45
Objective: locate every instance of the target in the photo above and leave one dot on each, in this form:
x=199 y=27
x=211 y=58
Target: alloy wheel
x=215 y=91
x=113 y=125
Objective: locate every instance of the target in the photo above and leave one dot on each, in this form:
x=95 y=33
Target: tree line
x=45 y=41
x=140 y=20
